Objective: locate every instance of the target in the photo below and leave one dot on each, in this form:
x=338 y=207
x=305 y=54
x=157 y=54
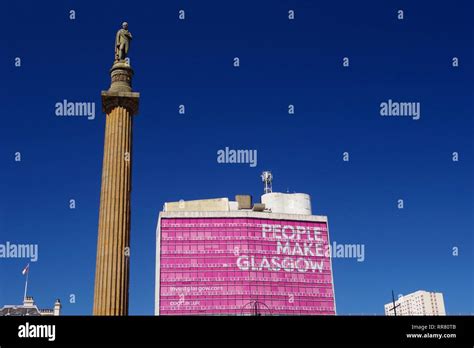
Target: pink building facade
x=243 y=263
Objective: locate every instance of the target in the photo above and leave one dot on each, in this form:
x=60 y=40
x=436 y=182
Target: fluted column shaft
x=113 y=247
x=112 y=273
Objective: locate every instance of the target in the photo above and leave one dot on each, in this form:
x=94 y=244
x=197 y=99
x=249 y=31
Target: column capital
x=128 y=100
x=120 y=91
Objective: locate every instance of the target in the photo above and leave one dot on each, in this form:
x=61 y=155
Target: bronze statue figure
x=122 y=42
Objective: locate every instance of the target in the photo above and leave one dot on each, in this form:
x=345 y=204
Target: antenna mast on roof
x=267 y=179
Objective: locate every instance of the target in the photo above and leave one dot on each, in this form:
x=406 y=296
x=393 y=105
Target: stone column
x=119 y=104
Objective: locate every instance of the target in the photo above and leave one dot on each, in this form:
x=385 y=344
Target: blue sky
x=174 y=156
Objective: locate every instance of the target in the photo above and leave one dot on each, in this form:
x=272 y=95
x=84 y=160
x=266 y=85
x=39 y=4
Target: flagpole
x=26 y=283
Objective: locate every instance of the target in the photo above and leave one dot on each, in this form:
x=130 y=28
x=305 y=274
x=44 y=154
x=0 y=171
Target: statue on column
x=122 y=42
